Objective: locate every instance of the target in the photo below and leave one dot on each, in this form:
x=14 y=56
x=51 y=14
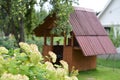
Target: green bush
x=10 y=42
x=27 y=63
x=7 y=42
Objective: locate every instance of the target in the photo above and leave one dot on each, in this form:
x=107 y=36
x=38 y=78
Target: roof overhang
x=45 y=28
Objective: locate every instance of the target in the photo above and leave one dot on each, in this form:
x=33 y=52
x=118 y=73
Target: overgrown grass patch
x=106 y=70
x=113 y=63
x=101 y=73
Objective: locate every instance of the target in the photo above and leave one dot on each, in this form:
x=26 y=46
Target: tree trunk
x=14 y=31
x=7 y=30
x=21 y=31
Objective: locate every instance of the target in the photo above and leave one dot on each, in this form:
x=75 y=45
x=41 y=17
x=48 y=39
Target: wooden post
x=45 y=40
x=72 y=40
x=51 y=44
x=65 y=38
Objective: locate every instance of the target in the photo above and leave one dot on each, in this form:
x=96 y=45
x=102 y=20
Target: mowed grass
x=102 y=72
x=113 y=63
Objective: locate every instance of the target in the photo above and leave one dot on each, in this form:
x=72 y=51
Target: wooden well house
x=88 y=39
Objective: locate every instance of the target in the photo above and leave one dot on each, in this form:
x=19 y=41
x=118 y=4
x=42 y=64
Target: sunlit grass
x=101 y=73
x=106 y=70
x=113 y=63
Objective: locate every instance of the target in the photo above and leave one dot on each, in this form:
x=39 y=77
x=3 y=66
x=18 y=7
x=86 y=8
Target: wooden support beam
x=65 y=38
x=51 y=40
x=45 y=40
x=72 y=39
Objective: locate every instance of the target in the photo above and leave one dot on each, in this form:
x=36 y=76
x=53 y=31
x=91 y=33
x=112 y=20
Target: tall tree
x=14 y=13
x=4 y=16
x=17 y=16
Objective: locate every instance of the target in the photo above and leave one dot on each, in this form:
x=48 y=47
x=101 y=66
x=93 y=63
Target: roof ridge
x=83 y=9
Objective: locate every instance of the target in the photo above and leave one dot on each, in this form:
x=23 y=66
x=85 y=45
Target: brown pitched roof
x=85 y=22
x=46 y=27
x=95 y=45
x=88 y=31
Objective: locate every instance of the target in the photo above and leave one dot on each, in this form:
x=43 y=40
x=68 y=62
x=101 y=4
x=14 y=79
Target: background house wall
x=110 y=16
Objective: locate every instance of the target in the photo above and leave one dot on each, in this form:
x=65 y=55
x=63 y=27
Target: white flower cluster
x=53 y=56
x=3 y=50
x=31 y=58
x=8 y=76
x=32 y=51
x=62 y=72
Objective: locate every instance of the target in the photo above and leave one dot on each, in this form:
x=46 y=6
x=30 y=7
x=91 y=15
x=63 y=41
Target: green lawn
x=101 y=73
x=109 y=63
x=108 y=71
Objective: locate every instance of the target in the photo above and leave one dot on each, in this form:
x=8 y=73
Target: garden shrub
x=35 y=40
x=7 y=42
x=10 y=42
x=27 y=63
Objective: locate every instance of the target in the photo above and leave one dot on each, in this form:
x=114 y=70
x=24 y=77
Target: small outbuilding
x=88 y=39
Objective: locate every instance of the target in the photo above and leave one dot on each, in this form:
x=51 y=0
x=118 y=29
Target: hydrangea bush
x=27 y=63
